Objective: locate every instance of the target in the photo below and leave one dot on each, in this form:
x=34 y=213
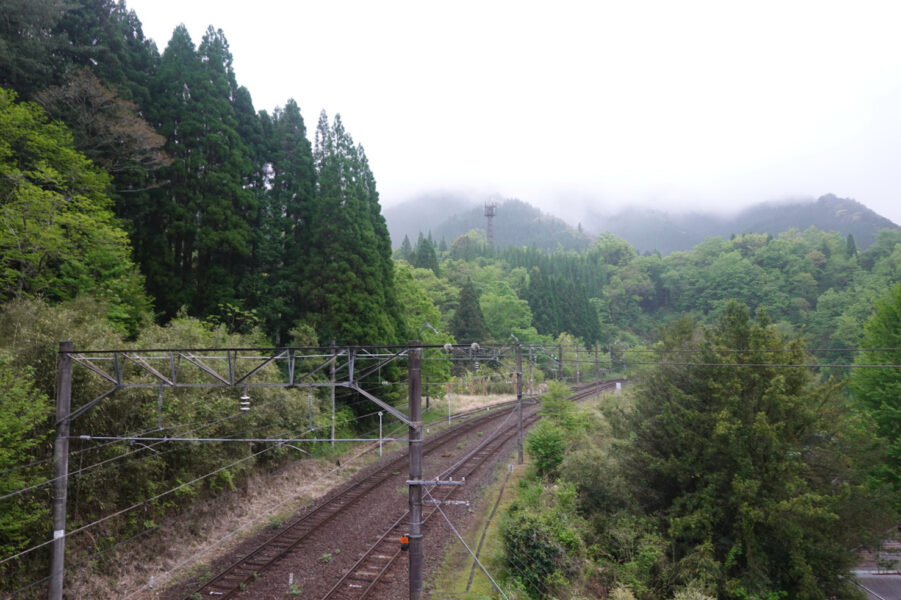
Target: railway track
x=234 y=577
x=361 y=579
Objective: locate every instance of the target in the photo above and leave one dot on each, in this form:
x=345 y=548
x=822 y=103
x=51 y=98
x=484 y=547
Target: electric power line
x=462 y=541
x=234 y=532
x=134 y=506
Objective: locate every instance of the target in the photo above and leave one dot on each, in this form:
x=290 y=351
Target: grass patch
x=453 y=574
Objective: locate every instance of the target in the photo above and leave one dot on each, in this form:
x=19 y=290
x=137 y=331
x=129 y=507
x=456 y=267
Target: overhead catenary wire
x=756 y=364
x=193 y=557
x=161 y=440
x=161 y=495
x=143 y=447
x=134 y=506
x=175 y=518
x=110 y=440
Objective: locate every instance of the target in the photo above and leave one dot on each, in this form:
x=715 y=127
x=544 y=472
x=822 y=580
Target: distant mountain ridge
x=518 y=223
x=650 y=230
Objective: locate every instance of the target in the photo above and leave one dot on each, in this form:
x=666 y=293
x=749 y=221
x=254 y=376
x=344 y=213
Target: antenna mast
x=490 y=213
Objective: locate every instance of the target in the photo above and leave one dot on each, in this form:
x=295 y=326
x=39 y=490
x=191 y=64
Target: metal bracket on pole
x=435 y=482
x=397 y=414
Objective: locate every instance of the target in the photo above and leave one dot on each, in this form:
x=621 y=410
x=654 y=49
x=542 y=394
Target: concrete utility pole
x=560 y=364
x=332 y=381
x=519 y=400
x=578 y=370
x=61 y=470
x=415 y=435
x=531 y=381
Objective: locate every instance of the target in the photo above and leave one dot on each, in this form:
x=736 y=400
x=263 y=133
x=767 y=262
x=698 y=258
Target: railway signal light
x=404 y=543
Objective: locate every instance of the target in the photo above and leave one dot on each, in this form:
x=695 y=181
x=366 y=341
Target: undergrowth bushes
x=149 y=481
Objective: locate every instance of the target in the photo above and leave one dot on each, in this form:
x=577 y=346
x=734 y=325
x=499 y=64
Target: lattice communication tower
x=490 y=213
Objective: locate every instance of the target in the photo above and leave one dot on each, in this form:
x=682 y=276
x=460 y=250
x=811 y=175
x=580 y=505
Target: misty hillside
x=447 y=217
x=649 y=230
x=520 y=224
x=425 y=213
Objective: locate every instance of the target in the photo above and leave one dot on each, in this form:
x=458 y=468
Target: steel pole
x=578 y=370
x=519 y=401
x=531 y=381
x=560 y=363
x=61 y=470
x=415 y=489
x=332 y=379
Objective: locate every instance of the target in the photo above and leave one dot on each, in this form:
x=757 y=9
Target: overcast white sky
x=671 y=104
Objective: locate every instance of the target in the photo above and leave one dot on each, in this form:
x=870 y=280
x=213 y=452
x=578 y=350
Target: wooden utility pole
x=61 y=470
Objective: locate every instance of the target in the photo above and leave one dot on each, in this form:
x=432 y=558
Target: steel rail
x=230 y=579
x=365 y=574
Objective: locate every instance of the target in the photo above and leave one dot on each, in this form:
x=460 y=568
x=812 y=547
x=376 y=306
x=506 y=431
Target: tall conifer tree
x=290 y=186
x=468 y=323
x=195 y=234
x=348 y=287
x=424 y=255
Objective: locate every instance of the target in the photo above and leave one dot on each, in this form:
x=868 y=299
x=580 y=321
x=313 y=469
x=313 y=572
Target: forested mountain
x=648 y=230
x=425 y=213
x=517 y=223
x=652 y=230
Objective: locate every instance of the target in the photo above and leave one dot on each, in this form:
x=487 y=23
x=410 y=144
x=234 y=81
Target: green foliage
x=194 y=236
x=24 y=416
x=406 y=250
x=130 y=474
x=468 y=324
x=546 y=446
x=750 y=460
x=541 y=539
x=557 y=408
x=59 y=238
x=878 y=390
x=27 y=44
x=503 y=311
x=629 y=552
x=424 y=256
x=418 y=309
x=285 y=164
x=348 y=288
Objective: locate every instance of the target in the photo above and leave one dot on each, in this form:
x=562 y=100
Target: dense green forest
x=147 y=203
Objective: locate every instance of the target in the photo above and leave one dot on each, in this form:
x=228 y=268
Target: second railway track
x=378 y=561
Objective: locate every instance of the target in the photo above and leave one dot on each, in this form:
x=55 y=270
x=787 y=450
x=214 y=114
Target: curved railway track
x=362 y=580
x=381 y=557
